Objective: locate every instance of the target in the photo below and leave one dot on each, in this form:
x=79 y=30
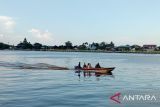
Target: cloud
x=8 y=33
x=43 y=36
x=6 y=24
x=1 y=35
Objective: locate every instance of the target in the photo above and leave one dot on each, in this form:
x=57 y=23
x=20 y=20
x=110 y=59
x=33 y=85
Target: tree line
x=25 y=45
x=67 y=45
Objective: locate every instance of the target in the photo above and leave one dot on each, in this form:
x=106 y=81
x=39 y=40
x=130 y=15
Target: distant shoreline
x=101 y=47
x=94 y=51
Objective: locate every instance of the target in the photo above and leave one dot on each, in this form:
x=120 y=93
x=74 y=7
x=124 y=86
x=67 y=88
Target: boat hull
x=97 y=70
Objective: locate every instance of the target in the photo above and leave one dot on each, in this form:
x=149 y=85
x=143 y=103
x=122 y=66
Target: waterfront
x=23 y=88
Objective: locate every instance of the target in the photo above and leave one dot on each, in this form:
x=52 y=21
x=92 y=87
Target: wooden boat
x=97 y=70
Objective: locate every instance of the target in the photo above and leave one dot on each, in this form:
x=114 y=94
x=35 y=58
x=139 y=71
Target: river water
x=65 y=88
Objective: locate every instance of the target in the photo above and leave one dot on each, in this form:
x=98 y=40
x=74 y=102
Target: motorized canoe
x=97 y=70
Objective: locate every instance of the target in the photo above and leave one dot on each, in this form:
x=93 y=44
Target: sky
x=53 y=22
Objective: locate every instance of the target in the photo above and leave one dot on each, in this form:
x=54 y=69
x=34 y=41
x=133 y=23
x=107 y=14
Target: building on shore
x=149 y=47
x=123 y=48
x=92 y=47
x=135 y=48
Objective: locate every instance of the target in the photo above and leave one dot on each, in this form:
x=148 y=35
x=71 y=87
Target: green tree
x=102 y=46
x=68 y=45
x=24 y=45
x=37 y=46
x=4 y=46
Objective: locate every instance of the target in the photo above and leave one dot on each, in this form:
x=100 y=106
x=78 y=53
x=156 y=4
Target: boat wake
x=32 y=66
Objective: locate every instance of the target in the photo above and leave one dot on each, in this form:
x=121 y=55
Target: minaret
x=25 y=40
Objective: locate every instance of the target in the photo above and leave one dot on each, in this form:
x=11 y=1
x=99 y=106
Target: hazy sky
x=56 y=21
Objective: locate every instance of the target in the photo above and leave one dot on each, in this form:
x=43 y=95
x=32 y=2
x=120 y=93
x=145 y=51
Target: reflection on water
x=91 y=73
x=84 y=74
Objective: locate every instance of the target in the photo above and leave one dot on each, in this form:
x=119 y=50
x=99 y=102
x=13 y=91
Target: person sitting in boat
x=79 y=65
x=98 y=65
x=89 y=66
x=84 y=66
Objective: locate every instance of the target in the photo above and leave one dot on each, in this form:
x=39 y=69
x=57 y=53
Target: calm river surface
x=53 y=88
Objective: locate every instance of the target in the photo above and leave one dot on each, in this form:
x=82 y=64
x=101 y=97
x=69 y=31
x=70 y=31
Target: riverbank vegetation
x=84 y=47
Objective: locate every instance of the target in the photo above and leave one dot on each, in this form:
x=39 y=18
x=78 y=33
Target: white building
x=92 y=47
